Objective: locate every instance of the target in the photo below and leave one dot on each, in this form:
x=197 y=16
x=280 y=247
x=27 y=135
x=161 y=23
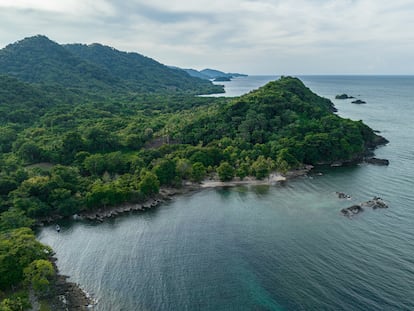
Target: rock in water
x=358 y=101
x=343 y=96
x=342 y=195
x=375 y=203
x=352 y=210
x=377 y=161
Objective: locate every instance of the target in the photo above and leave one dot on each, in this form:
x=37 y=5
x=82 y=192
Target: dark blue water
x=283 y=247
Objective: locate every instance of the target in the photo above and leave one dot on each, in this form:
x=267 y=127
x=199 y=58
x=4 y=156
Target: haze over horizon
x=248 y=36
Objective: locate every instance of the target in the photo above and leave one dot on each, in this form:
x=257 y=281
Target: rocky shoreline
x=68 y=296
x=167 y=194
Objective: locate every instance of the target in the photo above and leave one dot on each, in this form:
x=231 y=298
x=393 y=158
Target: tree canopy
x=88 y=127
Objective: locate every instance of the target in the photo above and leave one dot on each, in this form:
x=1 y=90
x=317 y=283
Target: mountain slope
x=140 y=72
x=213 y=74
x=21 y=102
x=95 y=69
x=285 y=116
x=40 y=60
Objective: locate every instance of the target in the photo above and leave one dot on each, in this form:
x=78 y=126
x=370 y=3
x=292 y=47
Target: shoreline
x=70 y=296
x=168 y=193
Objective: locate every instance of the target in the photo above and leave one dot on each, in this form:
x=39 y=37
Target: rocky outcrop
x=164 y=195
x=342 y=195
x=352 y=210
x=377 y=161
x=375 y=203
x=66 y=295
x=359 y=102
x=102 y=213
x=343 y=96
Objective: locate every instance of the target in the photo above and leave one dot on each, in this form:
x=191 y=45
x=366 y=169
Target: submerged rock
x=377 y=161
x=343 y=96
x=358 y=101
x=375 y=203
x=342 y=195
x=352 y=210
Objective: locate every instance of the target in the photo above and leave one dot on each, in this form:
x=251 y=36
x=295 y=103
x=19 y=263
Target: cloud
x=255 y=36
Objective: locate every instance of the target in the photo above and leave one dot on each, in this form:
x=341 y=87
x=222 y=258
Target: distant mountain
x=40 y=60
x=211 y=74
x=141 y=73
x=94 y=68
x=196 y=73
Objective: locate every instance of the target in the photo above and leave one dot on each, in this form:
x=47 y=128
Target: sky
x=249 y=36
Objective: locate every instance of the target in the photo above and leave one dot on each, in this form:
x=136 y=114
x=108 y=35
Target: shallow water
x=283 y=247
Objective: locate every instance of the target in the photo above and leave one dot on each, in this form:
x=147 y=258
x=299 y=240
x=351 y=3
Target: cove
x=283 y=247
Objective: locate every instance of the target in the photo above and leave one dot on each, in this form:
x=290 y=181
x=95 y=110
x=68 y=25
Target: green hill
x=94 y=69
x=85 y=128
x=40 y=60
x=283 y=115
x=139 y=72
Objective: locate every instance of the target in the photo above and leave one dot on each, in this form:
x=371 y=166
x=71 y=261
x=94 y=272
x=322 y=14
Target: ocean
x=282 y=247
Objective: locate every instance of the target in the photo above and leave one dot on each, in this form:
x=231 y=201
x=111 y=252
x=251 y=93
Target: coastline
x=70 y=296
x=67 y=295
x=168 y=193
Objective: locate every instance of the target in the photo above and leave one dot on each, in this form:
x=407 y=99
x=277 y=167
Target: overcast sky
x=249 y=36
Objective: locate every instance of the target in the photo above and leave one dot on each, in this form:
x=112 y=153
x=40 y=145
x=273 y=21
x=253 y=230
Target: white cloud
x=256 y=36
x=79 y=8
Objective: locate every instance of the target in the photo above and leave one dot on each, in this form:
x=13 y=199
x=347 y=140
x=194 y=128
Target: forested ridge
x=95 y=69
x=66 y=148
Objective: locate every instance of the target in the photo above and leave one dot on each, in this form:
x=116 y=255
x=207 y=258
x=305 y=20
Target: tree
x=7 y=184
x=198 y=172
x=30 y=152
x=7 y=136
x=261 y=167
x=16 y=302
x=13 y=219
x=18 y=248
x=105 y=194
x=72 y=144
x=64 y=202
x=65 y=177
x=37 y=186
x=242 y=171
x=149 y=183
x=100 y=140
x=183 y=168
x=38 y=275
x=165 y=170
x=95 y=164
x=225 y=171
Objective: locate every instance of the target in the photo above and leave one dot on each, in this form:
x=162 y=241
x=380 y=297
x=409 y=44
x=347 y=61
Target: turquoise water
x=283 y=247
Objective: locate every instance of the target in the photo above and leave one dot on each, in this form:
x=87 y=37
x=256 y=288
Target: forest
x=72 y=145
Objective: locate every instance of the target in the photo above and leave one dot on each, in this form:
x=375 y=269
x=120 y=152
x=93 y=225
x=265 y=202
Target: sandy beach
x=273 y=178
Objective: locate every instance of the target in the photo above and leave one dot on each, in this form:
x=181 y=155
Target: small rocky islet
x=358 y=102
x=374 y=203
x=343 y=96
x=346 y=96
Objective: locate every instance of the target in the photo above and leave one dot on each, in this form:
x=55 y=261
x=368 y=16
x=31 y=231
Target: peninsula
x=87 y=128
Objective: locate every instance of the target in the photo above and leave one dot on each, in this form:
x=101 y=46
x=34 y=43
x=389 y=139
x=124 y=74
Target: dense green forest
x=95 y=69
x=66 y=148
